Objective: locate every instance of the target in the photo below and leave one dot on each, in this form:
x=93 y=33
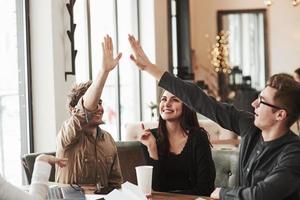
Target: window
x=174 y=36
x=179 y=31
x=247 y=42
x=13 y=87
x=127 y=92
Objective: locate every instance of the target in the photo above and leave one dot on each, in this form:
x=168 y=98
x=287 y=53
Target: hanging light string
x=220 y=53
x=270 y=2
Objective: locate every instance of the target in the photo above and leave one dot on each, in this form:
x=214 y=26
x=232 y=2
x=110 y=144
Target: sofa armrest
x=226 y=163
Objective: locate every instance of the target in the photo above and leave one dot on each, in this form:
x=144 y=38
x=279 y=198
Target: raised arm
x=93 y=94
x=191 y=95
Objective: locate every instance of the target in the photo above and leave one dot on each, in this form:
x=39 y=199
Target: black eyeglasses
x=261 y=101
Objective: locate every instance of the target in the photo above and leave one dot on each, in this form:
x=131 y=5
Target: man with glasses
x=269 y=162
x=91 y=151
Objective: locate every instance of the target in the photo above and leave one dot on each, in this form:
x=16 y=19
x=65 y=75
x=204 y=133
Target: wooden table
x=174 y=196
x=89 y=189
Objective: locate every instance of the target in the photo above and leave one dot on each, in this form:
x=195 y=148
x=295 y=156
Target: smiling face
x=170 y=107
x=266 y=111
x=97 y=118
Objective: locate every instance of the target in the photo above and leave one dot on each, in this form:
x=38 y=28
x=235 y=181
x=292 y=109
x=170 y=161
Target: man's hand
x=109 y=62
x=142 y=61
x=216 y=193
x=139 y=57
x=93 y=94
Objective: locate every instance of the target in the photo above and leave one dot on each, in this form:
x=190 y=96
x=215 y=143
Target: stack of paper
x=129 y=191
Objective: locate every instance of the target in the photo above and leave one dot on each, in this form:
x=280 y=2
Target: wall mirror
x=247 y=42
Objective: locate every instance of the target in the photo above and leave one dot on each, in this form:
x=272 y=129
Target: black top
x=267 y=170
x=174 y=167
x=190 y=172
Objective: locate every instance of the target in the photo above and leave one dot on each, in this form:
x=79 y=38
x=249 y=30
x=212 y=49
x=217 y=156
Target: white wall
x=283 y=31
x=48 y=54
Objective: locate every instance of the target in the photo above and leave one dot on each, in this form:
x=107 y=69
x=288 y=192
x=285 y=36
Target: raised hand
x=149 y=141
x=139 y=57
x=142 y=61
x=109 y=62
x=93 y=94
x=61 y=162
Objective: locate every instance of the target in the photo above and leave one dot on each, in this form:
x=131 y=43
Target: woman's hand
x=61 y=162
x=149 y=141
x=109 y=62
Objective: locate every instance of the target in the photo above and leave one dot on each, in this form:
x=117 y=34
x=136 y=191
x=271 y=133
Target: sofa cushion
x=226 y=164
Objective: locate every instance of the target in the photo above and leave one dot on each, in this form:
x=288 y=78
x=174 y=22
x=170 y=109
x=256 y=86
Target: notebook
x=66 y=193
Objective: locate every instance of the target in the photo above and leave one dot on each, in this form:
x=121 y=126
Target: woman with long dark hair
x=179 y=150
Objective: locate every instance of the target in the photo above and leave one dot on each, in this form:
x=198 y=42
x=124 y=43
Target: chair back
x=131 y=154
x=28 y=164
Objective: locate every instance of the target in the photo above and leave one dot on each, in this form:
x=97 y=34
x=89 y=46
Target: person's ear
x=281 y=115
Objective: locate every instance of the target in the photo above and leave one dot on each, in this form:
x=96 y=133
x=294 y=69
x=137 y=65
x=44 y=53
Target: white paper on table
x=94 y=196
x=199 y=198
x=129 y=191
x=117 y=195
x=133 y=190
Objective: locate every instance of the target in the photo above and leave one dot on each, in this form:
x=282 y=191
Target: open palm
x=109 y=62
x=139 y=57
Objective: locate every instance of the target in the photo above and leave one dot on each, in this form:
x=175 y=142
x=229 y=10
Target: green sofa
x=131 y=155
